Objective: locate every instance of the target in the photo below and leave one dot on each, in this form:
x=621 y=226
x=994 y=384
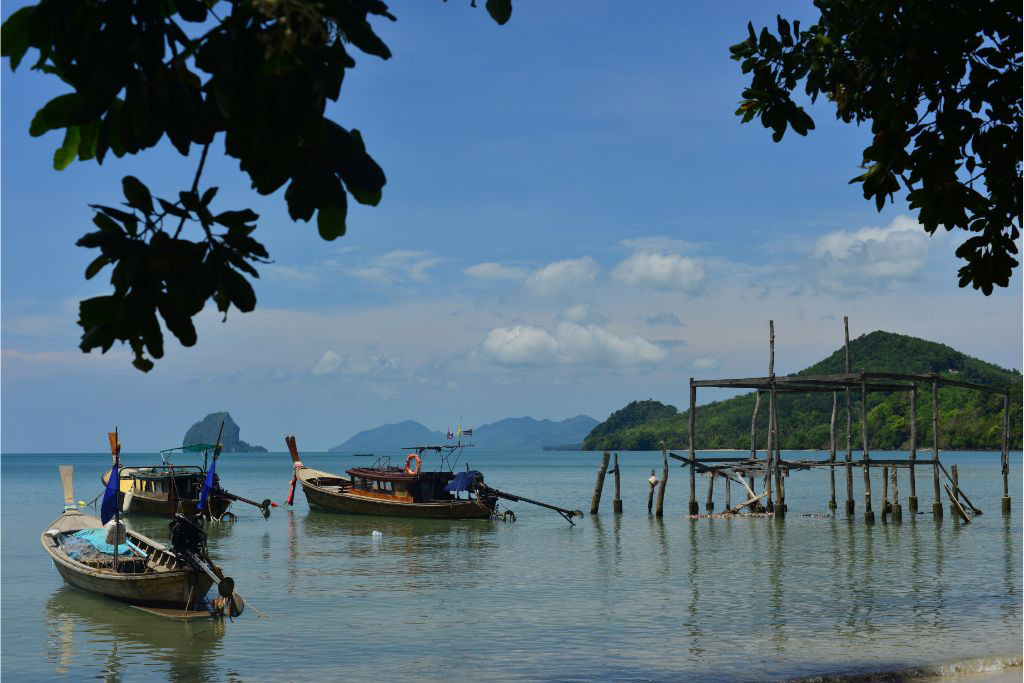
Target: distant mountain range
x=968 y=419
x=514 y=433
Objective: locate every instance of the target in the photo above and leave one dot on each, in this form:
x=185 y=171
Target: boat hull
x=135 y=502
x=325 y=499
x=170 y=586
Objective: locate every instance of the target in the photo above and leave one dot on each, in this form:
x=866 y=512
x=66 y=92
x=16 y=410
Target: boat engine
x=187 y=535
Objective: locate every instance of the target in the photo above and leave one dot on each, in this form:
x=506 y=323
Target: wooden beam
x=912 y=498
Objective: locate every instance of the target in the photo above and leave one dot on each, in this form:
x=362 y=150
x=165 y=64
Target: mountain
x=514 y=433
x=967 y=419
x=529 y=434
x=391 y=437
x=205 y=431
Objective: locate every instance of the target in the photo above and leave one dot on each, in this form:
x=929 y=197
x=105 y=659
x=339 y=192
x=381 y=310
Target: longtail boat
x=167 y=489
x=409 y=491
x=123 y=564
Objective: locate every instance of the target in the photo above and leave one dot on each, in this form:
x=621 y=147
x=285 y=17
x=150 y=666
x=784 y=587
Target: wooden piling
x=710 y=504
x=885 y=491
x=694 y=509
x=602 y=472
x=832 y=452
x=780 y=485
x=753 y=438
x=849 y=423
x=728 y=496
x=770 y=450
x=912 y=498
x=954 y=476
x=660 y=512
x=617 y=503
x=653 y=481
x=1005 y=454
x=869 y=514
x=937 y=504
x=897 y=511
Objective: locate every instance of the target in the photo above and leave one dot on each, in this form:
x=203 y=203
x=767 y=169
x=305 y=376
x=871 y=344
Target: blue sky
x=574 y=218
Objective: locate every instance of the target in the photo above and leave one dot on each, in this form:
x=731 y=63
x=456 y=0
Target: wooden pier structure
x=746 y=470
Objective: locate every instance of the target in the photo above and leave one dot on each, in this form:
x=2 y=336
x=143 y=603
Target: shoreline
x=990 y=669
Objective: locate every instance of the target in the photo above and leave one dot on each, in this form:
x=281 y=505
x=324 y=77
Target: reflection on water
x=96 y=633
x=619 y=597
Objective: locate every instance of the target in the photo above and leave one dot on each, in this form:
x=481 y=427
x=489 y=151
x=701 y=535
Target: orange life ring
x=408 y=466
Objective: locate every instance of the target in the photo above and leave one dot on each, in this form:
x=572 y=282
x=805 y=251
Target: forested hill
x=967 y=419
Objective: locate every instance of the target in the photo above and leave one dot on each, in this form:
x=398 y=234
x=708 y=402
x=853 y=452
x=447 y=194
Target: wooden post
x=849 y=423
x=832 y=452
x=897 y=511
x=753 y=437
x=710 y=504
x=660 y=512
x=694 y=509
x=869 y=514
x=617 y=503
x=955 y=476
x=885 y=491
x=912 y=499
x=780 y=485
x=937 y=504
x=1005 y=454
x=602 y=471
x=653 y=481
x=728 y=497
x=771 y=417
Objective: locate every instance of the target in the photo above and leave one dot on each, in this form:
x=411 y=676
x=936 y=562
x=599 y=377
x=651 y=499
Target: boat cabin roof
x=389 y=473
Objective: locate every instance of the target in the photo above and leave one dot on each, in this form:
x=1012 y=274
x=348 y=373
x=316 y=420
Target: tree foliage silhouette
x=257 y=72
x=939 y=84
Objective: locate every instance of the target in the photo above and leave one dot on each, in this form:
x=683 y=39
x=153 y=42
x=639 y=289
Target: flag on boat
x=468 y=432
x=458 y=434
x=450 y=436
x=109 y=505
x=204 y=494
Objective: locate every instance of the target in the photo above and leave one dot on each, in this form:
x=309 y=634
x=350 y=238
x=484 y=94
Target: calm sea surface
x=621 y=597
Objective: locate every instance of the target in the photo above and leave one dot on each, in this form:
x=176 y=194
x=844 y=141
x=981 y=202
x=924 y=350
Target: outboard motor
x=187 y=535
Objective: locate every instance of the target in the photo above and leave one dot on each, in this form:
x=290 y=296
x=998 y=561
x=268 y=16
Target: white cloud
x=333 y=363
x=670 y=319
x=560 y=275
x=705 y=363
x=496 y=271
x=520 y=345
x=398 y=266
x=871 y=258
x=581 y=313
x=660 y=270
x=571 y=344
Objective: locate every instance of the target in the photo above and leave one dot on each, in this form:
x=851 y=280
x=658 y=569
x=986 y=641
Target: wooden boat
x=409 y=491
x=167 y=489
x=138 y=571
x=388 y=491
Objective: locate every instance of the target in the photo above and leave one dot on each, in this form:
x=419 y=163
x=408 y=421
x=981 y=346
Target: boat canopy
x=464 y=481
x=203 y=448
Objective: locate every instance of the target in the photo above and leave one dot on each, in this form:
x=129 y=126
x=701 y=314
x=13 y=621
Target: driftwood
x=595 y=501
x=955 y=505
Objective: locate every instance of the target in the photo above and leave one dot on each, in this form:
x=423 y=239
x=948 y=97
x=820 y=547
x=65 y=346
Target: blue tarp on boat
x=463 y=481
x=97 y=538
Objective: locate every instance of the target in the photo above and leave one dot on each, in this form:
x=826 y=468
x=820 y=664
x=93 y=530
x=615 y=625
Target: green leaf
x=96 y=266
x=239 y=290
x=55 y=114
x=236 y=219
x=500 y=10
x=14 y=36
x=137 y=194
x=67 y=152
x=330 y=221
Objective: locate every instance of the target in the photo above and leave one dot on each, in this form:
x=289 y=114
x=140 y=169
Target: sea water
x=622 y=597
